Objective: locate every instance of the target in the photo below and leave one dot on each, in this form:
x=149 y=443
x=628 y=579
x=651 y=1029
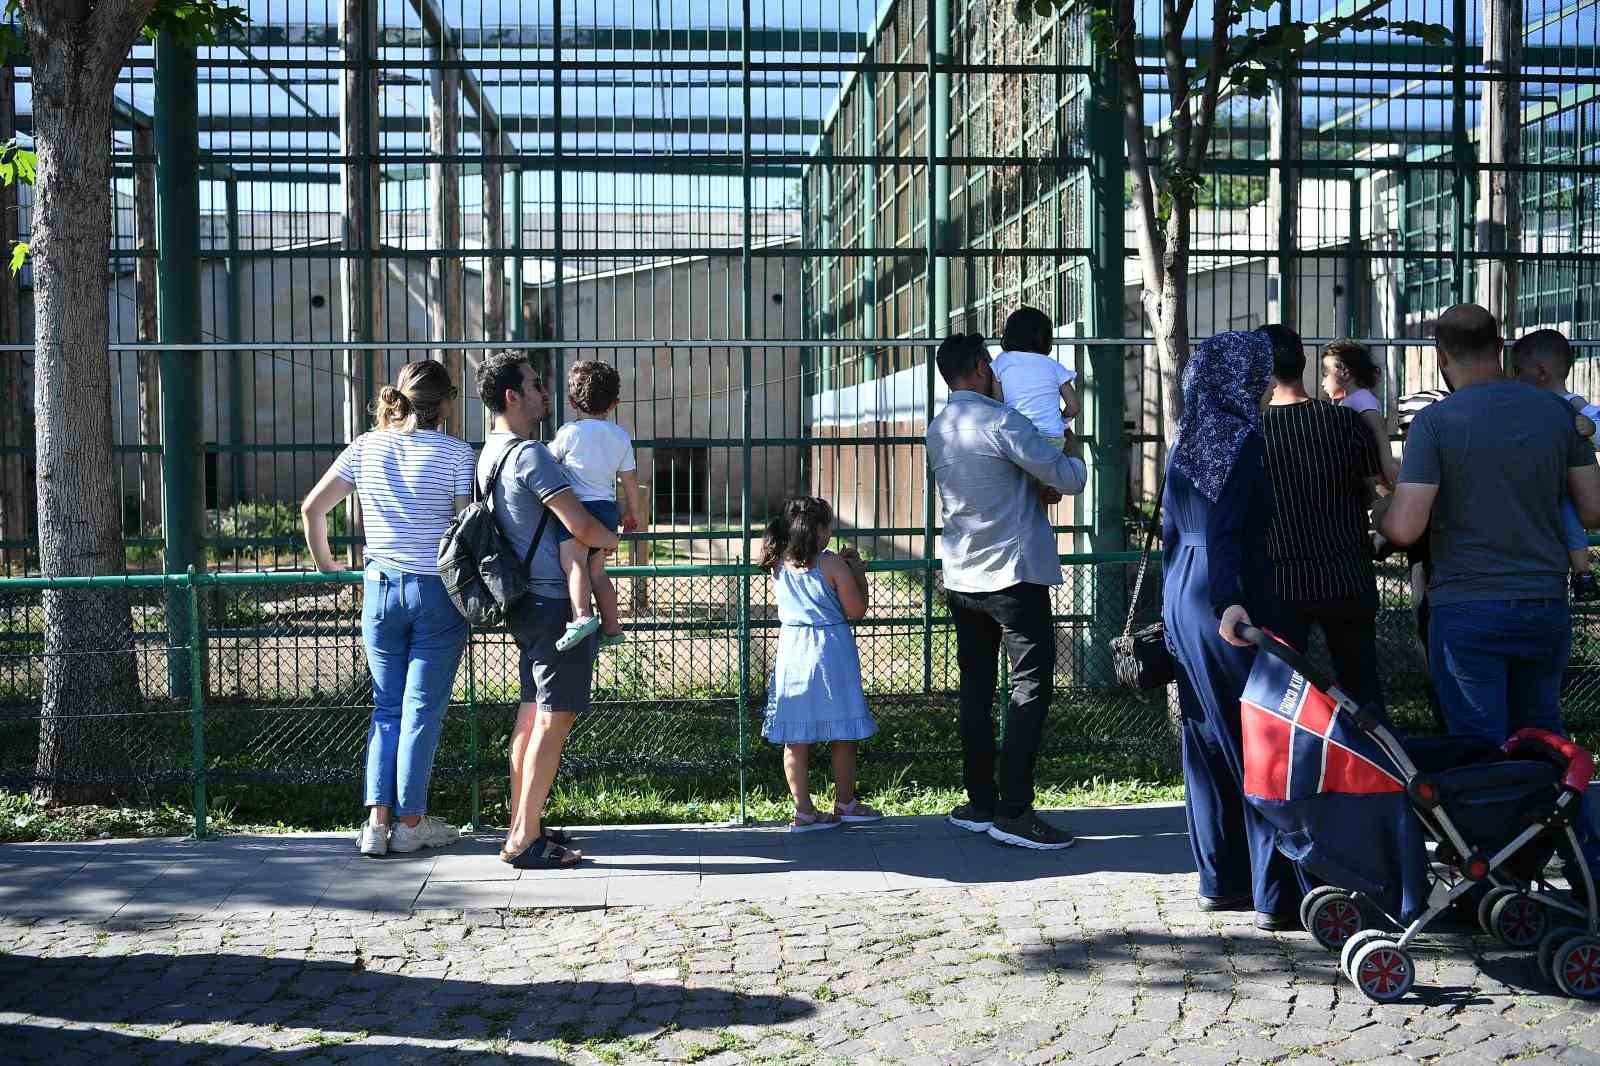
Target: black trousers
x=1019 y=618
x=1350 y=626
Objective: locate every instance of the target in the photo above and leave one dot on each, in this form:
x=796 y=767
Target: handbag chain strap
x=1144 y=556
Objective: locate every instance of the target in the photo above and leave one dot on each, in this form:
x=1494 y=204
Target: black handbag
x=1141 y=658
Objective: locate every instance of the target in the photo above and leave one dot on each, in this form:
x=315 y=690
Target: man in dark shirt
x=1322 y=458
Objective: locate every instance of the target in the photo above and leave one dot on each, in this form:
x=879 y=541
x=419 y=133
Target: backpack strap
x=487 y=495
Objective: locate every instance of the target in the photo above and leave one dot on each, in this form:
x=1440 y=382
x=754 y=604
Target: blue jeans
x=1497 y=665
x=414 y=638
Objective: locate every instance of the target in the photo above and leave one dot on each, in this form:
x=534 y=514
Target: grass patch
x=589 y=799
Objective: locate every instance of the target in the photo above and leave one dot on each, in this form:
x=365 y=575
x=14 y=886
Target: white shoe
x=373 y=840
x=429 y=833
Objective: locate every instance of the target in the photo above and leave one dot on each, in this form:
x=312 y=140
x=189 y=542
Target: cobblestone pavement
x=1094 y=970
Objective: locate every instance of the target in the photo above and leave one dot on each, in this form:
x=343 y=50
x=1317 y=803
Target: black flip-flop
x=545 y=854
x=560 y=836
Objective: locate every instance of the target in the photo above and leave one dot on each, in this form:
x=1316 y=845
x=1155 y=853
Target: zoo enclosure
x=765 y=214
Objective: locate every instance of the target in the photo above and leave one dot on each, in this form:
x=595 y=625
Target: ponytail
x=416 y=400
x=796 y=534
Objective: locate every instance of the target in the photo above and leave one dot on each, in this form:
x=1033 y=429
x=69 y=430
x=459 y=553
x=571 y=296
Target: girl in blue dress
x=814 y=693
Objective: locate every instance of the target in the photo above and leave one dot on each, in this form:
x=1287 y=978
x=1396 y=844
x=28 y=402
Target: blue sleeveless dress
x=814 y=689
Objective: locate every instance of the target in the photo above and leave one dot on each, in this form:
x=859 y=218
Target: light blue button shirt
x=983 y=455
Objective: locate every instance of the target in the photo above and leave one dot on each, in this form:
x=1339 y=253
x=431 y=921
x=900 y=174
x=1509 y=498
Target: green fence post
x=746 y=312
x=178 y=311
x=197 y=704
x=472 y=740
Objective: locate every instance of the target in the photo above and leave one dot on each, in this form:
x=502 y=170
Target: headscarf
x=1222 y=389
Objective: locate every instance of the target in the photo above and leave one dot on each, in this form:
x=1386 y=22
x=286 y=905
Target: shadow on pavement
x=340 y=1005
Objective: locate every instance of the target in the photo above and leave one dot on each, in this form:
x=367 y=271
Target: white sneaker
x=431 y=832
x=373 y=840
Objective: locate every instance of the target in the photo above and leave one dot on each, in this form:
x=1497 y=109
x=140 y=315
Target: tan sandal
x=856 y=811
x=810 y=823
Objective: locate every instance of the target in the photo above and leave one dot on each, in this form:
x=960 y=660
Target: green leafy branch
x=17 y=164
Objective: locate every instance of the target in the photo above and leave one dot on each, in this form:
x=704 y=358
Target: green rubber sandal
x=577 y=632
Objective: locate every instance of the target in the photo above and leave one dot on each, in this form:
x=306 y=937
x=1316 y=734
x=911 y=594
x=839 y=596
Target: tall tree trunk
x=88 y=634
x=494 y=267
x=144 y=300
x=445 y=288
x=358 y=110
x=1499 y=213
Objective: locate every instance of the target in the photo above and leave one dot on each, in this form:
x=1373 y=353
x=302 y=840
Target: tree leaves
x=17 y=164
x=19 y=255
x=194 y=22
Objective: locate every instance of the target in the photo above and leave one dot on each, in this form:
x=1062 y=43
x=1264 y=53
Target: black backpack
x=481 y=572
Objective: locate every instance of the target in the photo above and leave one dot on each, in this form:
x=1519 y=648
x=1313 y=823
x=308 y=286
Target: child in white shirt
x=1040 y=389
x=1543 y=359
x=595 y=452
x=1349 y=374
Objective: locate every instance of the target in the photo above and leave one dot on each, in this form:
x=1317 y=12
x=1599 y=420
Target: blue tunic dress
x=1216 y=556
x=814 y=690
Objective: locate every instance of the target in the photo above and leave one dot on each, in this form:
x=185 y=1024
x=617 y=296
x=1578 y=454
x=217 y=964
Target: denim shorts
x=551 y=680
x=606 y=512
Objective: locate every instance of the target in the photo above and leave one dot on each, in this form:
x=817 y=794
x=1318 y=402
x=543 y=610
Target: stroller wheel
x=1383 y=970
x=1547 y=950
x=1309 y=900
x=1347 y=955
x=1486 y=907
x=1518 y=920
x=1332 y=918
x=1575 y=965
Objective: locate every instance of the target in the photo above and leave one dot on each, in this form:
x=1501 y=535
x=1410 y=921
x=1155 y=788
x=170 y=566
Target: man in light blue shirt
x=999 y=555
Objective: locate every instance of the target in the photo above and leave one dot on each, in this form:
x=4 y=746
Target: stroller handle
x=1580 y=764
x=1265 y=641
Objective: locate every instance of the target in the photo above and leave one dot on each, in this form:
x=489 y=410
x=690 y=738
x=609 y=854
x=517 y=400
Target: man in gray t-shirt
x=1484 y=473
x=531 y=492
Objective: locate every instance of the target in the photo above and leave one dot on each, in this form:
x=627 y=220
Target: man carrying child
x=1000 y=561
x=1482 y=473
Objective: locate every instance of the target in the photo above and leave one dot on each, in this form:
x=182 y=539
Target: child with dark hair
x=596 y=452
x=1349 y=374
x=1544 y=359
x=814 y=693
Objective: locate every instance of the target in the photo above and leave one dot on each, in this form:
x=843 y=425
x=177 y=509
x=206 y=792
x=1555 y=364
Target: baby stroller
x=1356 y=807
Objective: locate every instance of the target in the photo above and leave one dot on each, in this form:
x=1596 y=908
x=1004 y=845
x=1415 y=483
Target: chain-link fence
x=185 y=685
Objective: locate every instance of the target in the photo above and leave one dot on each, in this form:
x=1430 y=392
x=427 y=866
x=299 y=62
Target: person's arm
x=1583 y=486
x=324 y=497
x=1070 y=404
x=1389 y=470
x=584 y=527
x=1583 y=481
x=1403 y=516
x=848 y=576
x=632 y=520
x=1225 y=529
x=1021 y=443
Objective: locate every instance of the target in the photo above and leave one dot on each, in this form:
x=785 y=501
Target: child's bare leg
x=796 y=764
x=1580 y=560
x=605 y=594
x=575 y=564
x=844 y=771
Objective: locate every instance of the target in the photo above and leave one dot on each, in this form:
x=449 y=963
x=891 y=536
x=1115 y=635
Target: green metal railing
x=277 y=695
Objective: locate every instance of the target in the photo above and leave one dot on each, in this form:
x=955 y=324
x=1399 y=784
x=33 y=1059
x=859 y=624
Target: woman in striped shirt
x=411 y=479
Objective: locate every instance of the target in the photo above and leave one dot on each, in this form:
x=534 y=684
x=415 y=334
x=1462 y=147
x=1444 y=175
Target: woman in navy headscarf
x=1217 y=506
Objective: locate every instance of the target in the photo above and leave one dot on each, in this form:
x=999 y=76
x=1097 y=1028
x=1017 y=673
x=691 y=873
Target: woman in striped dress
x=411 y=478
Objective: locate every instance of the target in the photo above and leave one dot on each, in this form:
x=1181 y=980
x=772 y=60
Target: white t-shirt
x=594 y=451
x=1360 y=401
x=1591 y=411
x=1032 y=384
x=407 y=483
